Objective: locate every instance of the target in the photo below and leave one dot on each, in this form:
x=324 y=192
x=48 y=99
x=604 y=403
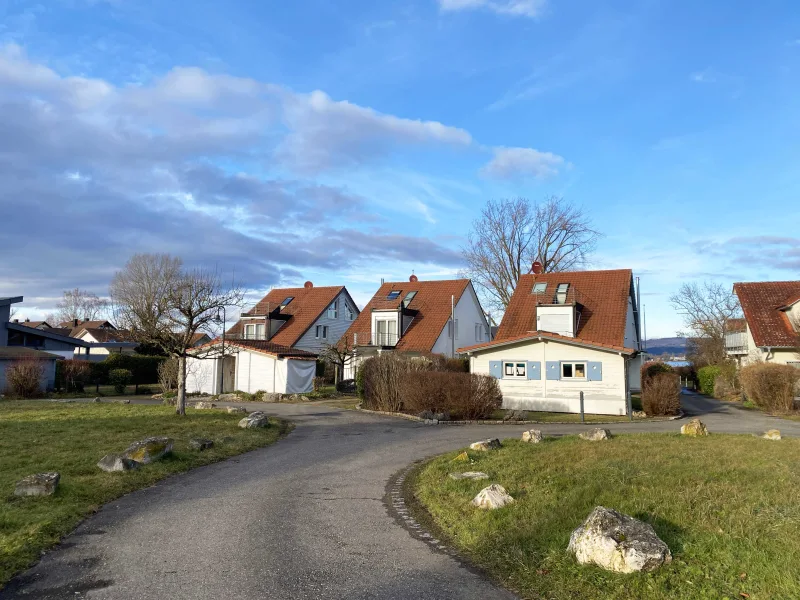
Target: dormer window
x=409 y=297
x=561 y=293
x=393 y=295
x=286 y=302
x=540 y=287
x=333 y=310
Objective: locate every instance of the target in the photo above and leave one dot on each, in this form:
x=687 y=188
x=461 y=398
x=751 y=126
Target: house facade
x=564 y=334
x=770 y=330
x=417 y=317
x=274 y=345
x=103 y=341
x=18 y=342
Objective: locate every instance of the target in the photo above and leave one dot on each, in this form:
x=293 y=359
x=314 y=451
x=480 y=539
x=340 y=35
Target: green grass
x=555 y=417
x=92 y=391
x=727 y=506
x=71 y=438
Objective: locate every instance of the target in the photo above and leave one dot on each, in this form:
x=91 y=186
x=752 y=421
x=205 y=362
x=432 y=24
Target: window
x=573 y=370
x=409 y=297
x=540 y=287
x=322 y=332
x=385 y=332
x=286 y=301
x=561 y=293
x=260 y=331
x=333 y=310
x=394 y=295
x=515 y=369
x=349 y=313
x=478 y=332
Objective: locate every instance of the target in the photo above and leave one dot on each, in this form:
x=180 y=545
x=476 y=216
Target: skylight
x=286 y=302
x=540 y=287
x=561 y=293
x=409 y=297
x=394 y=295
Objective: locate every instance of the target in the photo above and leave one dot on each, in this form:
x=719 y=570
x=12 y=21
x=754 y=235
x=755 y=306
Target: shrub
x=662 y=395
x=167 y=372
x=119 y=378
x=24 y=378
x=319 y=383
x=771 y=386
x=144 y=369
x=461 y=395
x=383 y=375
x=346 y=386
x=73 y=375
x=706 y=376
x=360 y=381
x=652 y=368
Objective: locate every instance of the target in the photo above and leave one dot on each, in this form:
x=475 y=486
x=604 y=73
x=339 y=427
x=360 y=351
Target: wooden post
x=629 y=405
x=582 y=415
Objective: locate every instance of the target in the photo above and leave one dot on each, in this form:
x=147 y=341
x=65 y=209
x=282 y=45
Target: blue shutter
x=496 y=369
x=554 y=370
x=595 y=371
x=534 y=370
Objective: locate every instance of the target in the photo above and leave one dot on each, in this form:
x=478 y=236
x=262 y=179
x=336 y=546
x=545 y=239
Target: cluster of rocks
x=255 y=420
x=138 y=453
x=434 y=417
x=493 y=496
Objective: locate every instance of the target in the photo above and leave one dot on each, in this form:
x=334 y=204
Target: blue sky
x=344 y=142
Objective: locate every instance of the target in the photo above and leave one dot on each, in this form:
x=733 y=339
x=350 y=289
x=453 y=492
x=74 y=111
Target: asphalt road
x=304 y=518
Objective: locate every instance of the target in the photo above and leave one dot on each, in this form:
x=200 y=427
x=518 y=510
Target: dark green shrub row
x=706 y=378
x=75 y=375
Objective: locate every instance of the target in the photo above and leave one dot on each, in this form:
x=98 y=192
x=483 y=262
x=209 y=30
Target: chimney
x=537 y=268
x=75 y=322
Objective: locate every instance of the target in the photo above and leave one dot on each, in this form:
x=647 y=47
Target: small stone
x=96 y=400
x=228 y=397
x=116 y=462
x=469 y=475
x=492 y=497
x=595 y=435
x=463 y=457
x=534 y=436
x=204 y=405
x=485 y=445
x=305 y=399
x=200 y=444
x=39 y=484
x=617 y=542
x=442 y=416
x=772 y=434
x=149 y=450
x=516 y=415
x=426 y=415
x=123 y=401
x=236 y=410
x=254 y=420
x=695 y=428
x=639 y=414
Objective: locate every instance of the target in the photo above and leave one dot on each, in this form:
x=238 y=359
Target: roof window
x=540 y=287
x=561 y=293
x=393 y=295
x=286 y=302
x=409 y=297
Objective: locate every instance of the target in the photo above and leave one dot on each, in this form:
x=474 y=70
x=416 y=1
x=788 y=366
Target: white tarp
x=300 y=376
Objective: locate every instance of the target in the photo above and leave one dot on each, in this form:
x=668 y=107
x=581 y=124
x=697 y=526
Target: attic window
x=409 y=297
x=286 y=301
x=393 y=295
x=540 y=287
x=561 y=293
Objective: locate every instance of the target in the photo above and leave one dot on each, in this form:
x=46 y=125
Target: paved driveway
x=304 y=518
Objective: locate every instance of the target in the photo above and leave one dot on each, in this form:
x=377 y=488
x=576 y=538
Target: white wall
x=468 y=312
x=600 y=397
x=631 y=334
x=556 y=319
x=202 y=375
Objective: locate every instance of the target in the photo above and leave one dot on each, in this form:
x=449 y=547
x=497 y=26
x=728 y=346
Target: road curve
x=304 y=518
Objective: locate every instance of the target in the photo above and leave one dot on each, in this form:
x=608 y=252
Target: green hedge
x=706 y=377
x=144 y=369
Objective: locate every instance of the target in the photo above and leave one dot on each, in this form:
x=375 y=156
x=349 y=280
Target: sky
x=345 y=142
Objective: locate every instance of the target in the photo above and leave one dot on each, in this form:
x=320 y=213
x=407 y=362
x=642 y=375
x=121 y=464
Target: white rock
x=534 y=436
x=485 y=445
x=492 y=497
x=617 y=542
x=595 y=435
x=111 y=463
x=236 y=410
x=469 y=475
x=204 y=405
x=772 y=434
x=39 y=484
x=254 y=420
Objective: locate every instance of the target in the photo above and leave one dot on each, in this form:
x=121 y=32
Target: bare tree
x=511 y=234
x=163 y=304
x=338 y=355
x=80 y=304
x=706 y=309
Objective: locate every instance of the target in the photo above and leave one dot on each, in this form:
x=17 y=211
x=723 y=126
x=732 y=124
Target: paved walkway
x=304 y=518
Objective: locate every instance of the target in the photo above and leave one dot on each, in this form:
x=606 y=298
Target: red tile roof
x=103 y=335
x=549 y=336
x=432 y=303
x=761 y=303
x=603 y=296
x=262 y=346
x=306 y=307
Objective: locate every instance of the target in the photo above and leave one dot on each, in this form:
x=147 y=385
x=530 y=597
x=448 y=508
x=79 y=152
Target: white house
x=563 y=334
x=274 y=345
x=103 y=341
x=418 y=317
x=770 y=330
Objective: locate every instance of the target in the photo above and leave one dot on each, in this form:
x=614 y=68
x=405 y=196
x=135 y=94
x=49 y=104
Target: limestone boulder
x=695 y=428
x=254 y=420
x=200 y=444
x=39 y=484
x=228 y=397
x=532 y=436
x=515 y=415
x=149 y=450
x=596 y=435
x=237 y=410
x=639 y=414
x=204 y=405
x=112 y=463
x=492 y=497
x=486 y=445
x=772 y=434
x=305 y=399
x=469 y=475
x=618 y=542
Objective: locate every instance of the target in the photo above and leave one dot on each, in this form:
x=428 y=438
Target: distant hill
x=672 y=346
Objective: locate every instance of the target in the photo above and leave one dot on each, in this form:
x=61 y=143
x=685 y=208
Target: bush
x=652 y=368
x=119 y=378
x=73 y=375
x=24 y=378
x=167 y=372
x=771 y=386
x=346 y=386
x=360 y=381
x=662 y=395
x=706 y=376
x=144 y=369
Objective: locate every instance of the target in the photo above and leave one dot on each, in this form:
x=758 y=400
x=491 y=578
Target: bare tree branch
x=81 y=305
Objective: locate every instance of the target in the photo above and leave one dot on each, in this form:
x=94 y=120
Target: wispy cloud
x=516 y=8
x=510 y=163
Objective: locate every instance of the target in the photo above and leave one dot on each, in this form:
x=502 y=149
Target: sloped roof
x=106 y=335
x=76 y=329
x=602 y=295
x=761 y=303
x=263 y=346
x=432 y=303
x=305 y=308
x=21 y=352
x=51 y=334
x=34 y=324
x=548 y=336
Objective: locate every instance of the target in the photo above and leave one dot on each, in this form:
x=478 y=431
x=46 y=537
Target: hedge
x=706 y=376
x=143 y=369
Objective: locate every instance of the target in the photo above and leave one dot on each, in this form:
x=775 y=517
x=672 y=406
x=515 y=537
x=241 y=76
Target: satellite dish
x=308 y=285
x=537 y=268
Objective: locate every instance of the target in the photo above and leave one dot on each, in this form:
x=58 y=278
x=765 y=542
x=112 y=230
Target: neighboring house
x=417 y=317
x=103 y=341
x=274 y=345
x=34 y=324
x=563 y=334
x=10 y=351
x=198 y=339
x=770 y=330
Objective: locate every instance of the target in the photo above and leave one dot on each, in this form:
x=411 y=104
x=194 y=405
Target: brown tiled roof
x=549 y=336
x=105 y=335
x=307 y=306
x=76 y=329
x=432 y=303
x=603 y=296
x=199 y=336
x=34 y=324
x=761 y=303
x=262 y=346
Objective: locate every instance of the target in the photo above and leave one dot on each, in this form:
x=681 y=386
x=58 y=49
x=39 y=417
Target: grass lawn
x=70 y=438
x=727 y=506
x=554 y=417
x=92 y=391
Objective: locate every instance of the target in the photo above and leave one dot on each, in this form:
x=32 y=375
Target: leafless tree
x=163 y=304
x=706 y=310
x=513 y=233
x=338 y=355
x=80 y=304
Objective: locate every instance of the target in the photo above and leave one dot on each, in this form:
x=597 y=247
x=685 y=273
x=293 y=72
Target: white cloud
x=509 y=163
x=517 y=8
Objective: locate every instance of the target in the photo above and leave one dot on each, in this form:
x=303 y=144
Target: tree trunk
x=180 y=404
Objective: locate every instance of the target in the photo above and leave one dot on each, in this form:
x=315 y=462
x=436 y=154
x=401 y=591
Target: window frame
x=574 y=364
x=321 y=329
x=249 y=330
x=393 y=294
x=515 y=365
x=543 y=289
x=333 y=308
